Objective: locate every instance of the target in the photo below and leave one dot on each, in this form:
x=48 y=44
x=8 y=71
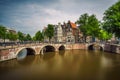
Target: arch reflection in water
x=25 y=52
x=62 y=52
x=27 y=61
x=47 y=55
x=22 y=54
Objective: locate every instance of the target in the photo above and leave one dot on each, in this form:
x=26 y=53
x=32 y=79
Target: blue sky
x=29 y=16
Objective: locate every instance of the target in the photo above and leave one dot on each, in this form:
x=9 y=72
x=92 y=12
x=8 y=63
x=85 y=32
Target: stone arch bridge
x=22 y=51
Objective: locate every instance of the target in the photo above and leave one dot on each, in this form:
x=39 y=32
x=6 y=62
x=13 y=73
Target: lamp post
x=4 y=38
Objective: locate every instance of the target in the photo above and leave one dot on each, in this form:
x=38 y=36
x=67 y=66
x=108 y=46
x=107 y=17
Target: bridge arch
x=47 y=48
x=90 y=47
x=95 y=47
x=24 y=52
x=61 y=47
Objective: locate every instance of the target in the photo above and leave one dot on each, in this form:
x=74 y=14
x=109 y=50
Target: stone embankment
x=114 y=48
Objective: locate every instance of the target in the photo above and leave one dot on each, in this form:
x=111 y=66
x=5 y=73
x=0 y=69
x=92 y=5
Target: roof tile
x=73 y=25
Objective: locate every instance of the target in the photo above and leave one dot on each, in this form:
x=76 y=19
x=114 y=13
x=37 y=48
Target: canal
x=63 y=65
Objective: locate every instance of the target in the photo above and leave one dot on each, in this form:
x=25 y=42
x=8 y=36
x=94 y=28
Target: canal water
x=63 y=65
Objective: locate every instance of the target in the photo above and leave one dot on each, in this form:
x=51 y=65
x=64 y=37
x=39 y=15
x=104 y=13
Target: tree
x=38 y=36
x=34 y=39
x=12 y=36
x=112 y=19
x=49 y=31
x=104 y=35
x=43 y=34
x=89 y=25
x=21 y=36
x=28 y=37
x=3 y=32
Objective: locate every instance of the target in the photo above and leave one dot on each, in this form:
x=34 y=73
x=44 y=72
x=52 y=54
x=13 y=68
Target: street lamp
x=5 y=33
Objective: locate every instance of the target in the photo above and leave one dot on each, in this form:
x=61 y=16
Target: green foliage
x=89 y=25
x=112 y=19
x=83 y=20
x=21 y=36
x=49 y=31
x=43 y=34
x=104 y=35
x=38 y=36
x=28 y=37
x=12 y=36
x=2 y=31
x=33 y=38
x=93 y=25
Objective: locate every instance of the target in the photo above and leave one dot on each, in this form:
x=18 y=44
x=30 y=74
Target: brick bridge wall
x=11 y=53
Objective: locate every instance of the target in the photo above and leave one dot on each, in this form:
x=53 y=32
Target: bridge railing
x=23 y=44
x=30 y=43
x=17 y=44
x=13 y=44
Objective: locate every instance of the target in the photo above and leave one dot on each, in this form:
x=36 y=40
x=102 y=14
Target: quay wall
x=113 y=48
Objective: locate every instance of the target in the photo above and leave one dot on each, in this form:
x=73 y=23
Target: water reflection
x=22 y=54
x=62 y=52
x=71 y=64
x=27 y=61
x=105 y=62
x=47 y=55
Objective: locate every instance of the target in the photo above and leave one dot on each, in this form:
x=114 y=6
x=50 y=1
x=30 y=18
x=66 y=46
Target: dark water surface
x=66 y=65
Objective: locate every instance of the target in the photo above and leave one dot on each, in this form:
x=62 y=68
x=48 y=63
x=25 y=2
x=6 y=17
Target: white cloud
x=32 y=17
x=55 y=16
x=35 y=17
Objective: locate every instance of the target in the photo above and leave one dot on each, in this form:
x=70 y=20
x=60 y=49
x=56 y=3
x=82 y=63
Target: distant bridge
x=95 y=46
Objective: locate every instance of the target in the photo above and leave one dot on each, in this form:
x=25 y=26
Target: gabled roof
x=73 y=25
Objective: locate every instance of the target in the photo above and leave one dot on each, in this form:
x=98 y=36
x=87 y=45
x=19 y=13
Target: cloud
x=30 y=16
x=34 y=17
x=55 y=16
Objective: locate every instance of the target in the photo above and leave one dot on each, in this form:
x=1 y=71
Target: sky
x=29 y=16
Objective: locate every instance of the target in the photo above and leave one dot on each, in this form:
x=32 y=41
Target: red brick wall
x=76 y=46
x=4 y=52
x=79 y=46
